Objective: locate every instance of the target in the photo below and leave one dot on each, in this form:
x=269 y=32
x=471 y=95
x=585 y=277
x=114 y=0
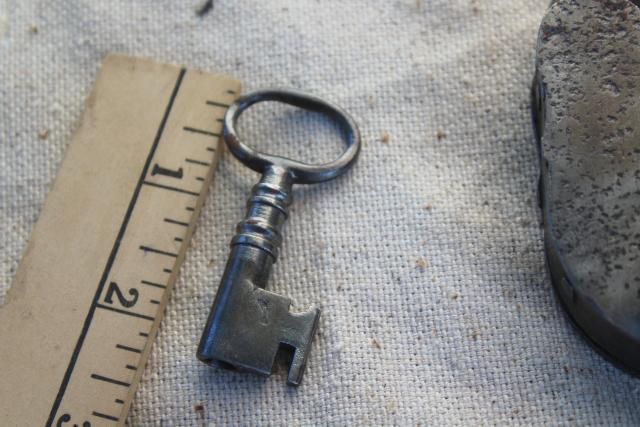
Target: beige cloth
x=426 y=259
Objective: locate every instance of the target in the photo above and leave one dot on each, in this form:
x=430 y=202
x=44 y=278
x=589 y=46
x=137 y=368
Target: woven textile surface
x=426 y=259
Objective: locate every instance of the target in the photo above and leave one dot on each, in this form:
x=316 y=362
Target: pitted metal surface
x=587 y=112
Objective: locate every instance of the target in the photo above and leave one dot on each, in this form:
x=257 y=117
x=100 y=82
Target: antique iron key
x=249 y=325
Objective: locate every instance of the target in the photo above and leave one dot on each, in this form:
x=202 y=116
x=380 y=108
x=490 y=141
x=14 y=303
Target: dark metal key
x=248 y=325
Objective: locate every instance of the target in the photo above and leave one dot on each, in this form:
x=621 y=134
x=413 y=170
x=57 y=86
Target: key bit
x=249 y=326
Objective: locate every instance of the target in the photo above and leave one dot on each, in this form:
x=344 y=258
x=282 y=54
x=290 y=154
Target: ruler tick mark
x=167 y=270
x=110 y=380
x=173 y=221
x=178 y=239
x=120 y=401
x=158 y=251
x=170 y=188
x=199 y=178
x=213 y=150
x=218 y=104
x=131 y=367
x=129 y=313
x=157 y=285
x=127 y=348
x=143 y=334
x=231 y=92
x=197 y=162
x=154 y=301
x=105 y=416
x=200 y=131
x=190 y=209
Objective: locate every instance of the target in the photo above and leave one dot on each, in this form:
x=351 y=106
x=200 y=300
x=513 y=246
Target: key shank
x=249 y=325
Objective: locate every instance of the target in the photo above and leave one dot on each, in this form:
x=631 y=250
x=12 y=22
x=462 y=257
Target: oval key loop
x=302 y=173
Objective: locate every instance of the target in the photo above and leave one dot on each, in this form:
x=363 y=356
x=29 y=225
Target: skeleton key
x=249 y=325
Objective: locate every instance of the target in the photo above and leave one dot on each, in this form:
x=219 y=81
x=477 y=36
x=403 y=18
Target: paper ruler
x=85 y=304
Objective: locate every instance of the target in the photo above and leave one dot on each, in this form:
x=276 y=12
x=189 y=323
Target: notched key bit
x=248 y=326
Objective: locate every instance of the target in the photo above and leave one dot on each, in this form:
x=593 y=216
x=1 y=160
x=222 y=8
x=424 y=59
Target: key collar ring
x=301 y=173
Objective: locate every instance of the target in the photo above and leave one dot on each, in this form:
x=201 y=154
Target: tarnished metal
x=586 y=104
x=248 y=325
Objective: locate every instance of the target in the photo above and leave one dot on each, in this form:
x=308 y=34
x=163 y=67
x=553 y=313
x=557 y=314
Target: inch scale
x=91 y=289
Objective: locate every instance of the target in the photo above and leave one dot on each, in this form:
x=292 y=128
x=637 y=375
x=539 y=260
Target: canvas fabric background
x=426 y=259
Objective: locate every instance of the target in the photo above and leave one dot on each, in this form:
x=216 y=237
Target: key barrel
x=248 y=325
